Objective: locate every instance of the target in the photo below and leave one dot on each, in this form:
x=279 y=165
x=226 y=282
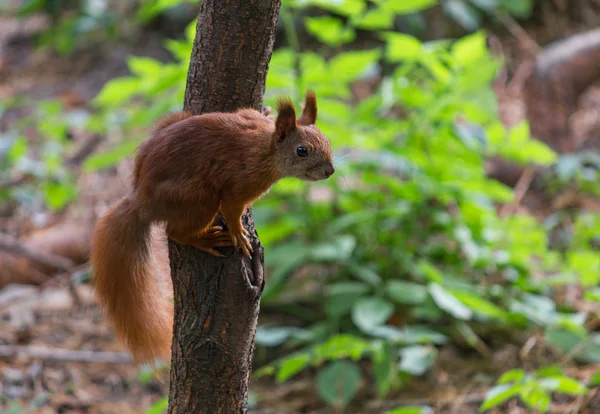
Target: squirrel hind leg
x=206 y=240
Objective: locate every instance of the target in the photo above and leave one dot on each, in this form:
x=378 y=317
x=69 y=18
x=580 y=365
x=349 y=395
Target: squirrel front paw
x=240 y=240
x=213 y=237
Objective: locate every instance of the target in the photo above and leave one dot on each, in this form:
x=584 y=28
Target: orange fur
x=189 y=168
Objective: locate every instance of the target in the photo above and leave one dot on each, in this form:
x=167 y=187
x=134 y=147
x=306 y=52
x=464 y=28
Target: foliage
x=52 y=181
x=72 y=22
x=402 y=251
x=159 y=407
x=470 y=13
x=533 y=389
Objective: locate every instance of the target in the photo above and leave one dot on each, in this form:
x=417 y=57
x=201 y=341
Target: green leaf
x=343 y=7
x=383 y=369
x=586 y=264
x=117 y=91
x=514 y=375
x=57 y=195
x=521 y=9
x=549 y=371
x=539 y=153
x=144 y=66
x=340 y=304
x=468 y=333
x=341 y=346
x=291 y=366
x=595 y=380
x=338 y=250
x=416 y=360
x=338 y=383
x=535 y=397
x=470 y=49
x=463 y=13
x=348 y=288
x=406 y=6
x=376 y=18
x=110 y=158
x=149 y=9
x=564 y=385
x=349 y=66
x=329 y=30
x=159 y=406
x=18 y=149
x=28 y=7
x=409 y=335
x=402 y=47
x=274 y=335
x=499 y=395
x=429 y=271
x=406 y=293
x=370 y=312
x=364 y=273
x=284 y=260
x=480 y=305
x=278 y=231
x=448 y=302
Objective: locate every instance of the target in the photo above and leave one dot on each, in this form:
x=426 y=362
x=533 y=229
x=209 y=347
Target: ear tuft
x=309 y=113
x=286 y=117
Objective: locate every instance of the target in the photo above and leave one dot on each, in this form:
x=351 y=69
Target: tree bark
x=217 y=299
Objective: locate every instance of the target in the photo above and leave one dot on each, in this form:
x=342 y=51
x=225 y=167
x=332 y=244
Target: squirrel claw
x=212 y=232
x=246 y=246
x=246 y=249
x=214 y=229
x=241 y=241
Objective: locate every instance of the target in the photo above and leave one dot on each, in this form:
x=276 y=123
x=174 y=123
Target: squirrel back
x=170 y=119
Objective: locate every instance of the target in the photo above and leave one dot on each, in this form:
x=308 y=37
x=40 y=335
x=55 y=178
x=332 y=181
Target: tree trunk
x=217 y=299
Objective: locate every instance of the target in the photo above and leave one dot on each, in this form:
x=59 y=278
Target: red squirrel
x=185 y=172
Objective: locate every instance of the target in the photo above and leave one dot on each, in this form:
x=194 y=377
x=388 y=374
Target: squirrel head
x=302 y=149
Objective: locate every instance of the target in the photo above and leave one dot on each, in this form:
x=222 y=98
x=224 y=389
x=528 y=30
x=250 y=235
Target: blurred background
x=451 y=265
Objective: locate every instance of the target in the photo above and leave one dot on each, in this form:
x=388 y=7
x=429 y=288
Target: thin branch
x=518 y=32
x=71 y=283
x=87 y=148
x=12 y=245
x=13 y=182
x=57 y=354
x=520 y=190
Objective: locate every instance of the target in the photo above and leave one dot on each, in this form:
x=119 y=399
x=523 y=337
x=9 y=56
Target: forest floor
x=55 y=314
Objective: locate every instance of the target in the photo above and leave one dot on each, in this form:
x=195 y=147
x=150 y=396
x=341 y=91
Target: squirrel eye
x=302 y=151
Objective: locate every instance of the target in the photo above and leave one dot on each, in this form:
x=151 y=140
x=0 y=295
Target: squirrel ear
x=286 y=118
x=309 y=113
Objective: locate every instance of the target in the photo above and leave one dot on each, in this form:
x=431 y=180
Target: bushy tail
x=126 y=283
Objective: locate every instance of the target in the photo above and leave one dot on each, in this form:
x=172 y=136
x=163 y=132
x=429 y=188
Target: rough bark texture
x=217 y=299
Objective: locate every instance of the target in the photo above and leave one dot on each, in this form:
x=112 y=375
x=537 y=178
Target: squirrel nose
x=329 y=171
